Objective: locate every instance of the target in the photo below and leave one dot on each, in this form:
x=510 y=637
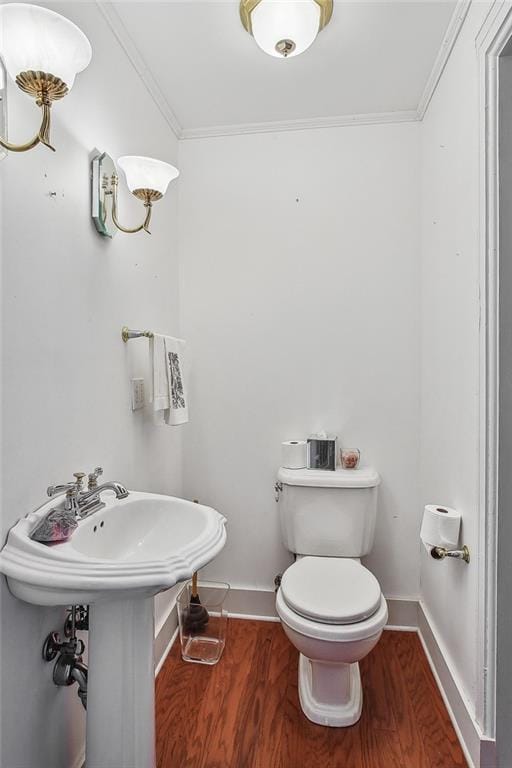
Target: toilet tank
x=328 y=513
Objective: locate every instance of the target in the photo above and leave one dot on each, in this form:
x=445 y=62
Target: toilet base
x=330 y=693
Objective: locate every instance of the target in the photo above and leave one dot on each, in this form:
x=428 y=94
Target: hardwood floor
x=245 y=713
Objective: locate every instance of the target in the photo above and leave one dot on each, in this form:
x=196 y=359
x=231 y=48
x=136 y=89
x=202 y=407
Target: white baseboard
x=252 y=604
x=479 y=751
x=165 y=652
x=260 y=605
x=166 y=634
x=402 y=614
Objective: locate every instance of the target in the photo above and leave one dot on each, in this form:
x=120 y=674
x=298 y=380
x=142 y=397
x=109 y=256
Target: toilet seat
x=317 y=630
x=331 y=590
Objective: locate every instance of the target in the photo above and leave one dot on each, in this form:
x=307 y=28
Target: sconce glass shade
x=147 y=173
x=285 y=28
x=37 y=39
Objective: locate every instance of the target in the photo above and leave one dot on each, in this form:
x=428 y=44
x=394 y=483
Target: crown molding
x=491 y=27
x=449 y=40
x=373 y=118
x=127 y=44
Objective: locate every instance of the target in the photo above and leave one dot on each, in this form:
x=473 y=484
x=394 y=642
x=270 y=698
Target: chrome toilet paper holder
x=439 y=553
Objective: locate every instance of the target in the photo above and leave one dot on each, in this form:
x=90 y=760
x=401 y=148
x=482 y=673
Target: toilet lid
x=331 y=590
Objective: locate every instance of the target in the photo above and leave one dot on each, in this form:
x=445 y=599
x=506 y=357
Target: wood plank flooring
x=245 y=713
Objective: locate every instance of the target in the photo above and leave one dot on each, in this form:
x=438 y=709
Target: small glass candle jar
x=349 y=458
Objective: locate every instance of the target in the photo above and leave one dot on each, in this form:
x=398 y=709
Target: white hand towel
x=177 y=391
x=158 y=359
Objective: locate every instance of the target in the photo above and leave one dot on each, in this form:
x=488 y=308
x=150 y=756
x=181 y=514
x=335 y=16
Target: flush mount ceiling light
x=42 y=52
x=146 y=178
x=285 y=28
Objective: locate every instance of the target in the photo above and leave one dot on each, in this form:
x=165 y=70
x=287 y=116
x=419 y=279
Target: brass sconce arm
x=43 y=135
x=147 y=195
x=146 y=178
x=143 y=226
x=45 y=88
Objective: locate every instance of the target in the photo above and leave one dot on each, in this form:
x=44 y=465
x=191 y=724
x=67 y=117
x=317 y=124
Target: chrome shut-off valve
x=69 y=667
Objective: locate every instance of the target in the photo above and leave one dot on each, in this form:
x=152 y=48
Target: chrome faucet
x=72 y=491
x=83 y=503
x=90 y=501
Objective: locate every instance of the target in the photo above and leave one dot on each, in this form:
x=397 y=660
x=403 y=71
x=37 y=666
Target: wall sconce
x=42 y=52
x=147 y=179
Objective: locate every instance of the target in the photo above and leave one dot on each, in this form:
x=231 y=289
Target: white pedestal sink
x=116 y=561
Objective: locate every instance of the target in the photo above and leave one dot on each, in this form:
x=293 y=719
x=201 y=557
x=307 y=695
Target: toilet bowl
x=331 y=607
x=333 y=612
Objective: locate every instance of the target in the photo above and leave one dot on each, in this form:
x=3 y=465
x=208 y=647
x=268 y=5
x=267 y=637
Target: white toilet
x=331 y=607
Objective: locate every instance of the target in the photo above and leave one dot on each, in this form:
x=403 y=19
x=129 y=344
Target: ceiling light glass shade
x=147 y=173
x=34 y=38
x=275 y=22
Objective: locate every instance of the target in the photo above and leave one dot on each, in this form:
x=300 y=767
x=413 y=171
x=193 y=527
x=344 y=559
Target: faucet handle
x=53 y=490
x=79 y=479
x=92 y=480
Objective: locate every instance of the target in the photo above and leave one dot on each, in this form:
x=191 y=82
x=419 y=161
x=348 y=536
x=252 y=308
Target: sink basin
x=115 y=561
x=124 y=534
x=135 y=546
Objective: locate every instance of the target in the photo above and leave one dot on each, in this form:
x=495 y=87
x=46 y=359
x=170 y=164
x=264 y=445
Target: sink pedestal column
x=121 y=685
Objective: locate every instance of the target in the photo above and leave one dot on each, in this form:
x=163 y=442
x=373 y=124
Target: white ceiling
x=374 y=57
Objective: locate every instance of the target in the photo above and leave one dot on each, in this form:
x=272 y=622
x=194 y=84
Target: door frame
x=492 y=38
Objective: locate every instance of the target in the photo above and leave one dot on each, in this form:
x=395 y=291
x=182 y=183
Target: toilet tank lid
x=365 y=477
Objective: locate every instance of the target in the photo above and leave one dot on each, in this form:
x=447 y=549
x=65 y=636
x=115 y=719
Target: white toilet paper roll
x=440 y=527
x=294 y=454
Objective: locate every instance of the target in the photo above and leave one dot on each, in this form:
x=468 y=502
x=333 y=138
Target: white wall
x=66 y=400
x=300 y=301
x=450 y=350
